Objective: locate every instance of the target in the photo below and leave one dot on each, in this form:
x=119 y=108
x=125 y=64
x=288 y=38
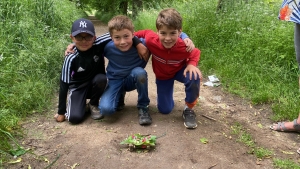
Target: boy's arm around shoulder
x=100 y=42
x=192 y=63
x=105 y=38
x=188 y=42
x=143 y=51
x=194 y=57
x=143 y=33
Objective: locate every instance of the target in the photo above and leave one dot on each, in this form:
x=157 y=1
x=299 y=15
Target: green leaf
x=18 y=152
x=139 y=140
x=204 y=140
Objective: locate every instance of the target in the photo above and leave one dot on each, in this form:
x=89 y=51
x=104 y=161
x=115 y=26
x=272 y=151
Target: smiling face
x=122 y=39
x=168 y=36
x=83 y=41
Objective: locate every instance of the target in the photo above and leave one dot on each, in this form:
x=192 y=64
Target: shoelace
x=189 y=113
x=144 y=114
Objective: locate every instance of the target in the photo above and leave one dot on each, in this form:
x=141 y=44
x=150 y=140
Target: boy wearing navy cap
x=83 y=74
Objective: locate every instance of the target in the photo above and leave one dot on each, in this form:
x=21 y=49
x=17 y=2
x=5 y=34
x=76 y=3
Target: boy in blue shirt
x=125 y=70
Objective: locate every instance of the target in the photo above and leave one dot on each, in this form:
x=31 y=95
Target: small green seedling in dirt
x=138 y=141
x=14 y=152
x=204 y=140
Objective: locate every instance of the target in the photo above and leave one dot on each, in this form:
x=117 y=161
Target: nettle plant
x=138 y=141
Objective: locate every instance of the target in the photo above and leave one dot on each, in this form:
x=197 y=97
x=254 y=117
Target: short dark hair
x=169 y=17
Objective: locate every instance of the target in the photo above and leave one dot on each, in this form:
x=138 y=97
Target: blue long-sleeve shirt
x=121 y=63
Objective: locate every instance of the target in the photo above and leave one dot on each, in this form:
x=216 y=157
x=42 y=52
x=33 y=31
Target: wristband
x=136 y=41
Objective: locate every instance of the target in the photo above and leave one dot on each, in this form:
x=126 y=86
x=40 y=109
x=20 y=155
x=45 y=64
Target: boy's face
x=168 y=36
x=83 y=41
x=122 y=39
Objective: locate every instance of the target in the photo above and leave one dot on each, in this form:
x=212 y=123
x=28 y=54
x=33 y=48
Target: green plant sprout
x=14 y=152
x=138 y=141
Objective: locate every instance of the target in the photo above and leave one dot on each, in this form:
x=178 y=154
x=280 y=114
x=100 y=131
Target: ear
x=73 y=38
x=179 y=32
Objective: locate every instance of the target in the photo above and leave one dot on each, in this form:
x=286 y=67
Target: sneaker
x=95 y=112
x=144 y=116
x=189 y=117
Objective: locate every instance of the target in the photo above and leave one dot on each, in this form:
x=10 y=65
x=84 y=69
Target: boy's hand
x=143 y=52
x=189 y=44
x=70 y=49
x=193 y=71
x=59 y=118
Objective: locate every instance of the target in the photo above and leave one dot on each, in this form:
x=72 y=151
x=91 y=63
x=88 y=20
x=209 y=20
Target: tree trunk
x=137 y=5
x=124 y=7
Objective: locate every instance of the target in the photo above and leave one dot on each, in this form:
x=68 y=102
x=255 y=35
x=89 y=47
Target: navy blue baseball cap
x=82 y=26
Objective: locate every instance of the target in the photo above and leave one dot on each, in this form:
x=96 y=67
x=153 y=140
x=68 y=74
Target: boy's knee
x=164 y=110
x=138 y=71
x=193 y=79
x=106 y=110
x=100 y=79
x=75 y=119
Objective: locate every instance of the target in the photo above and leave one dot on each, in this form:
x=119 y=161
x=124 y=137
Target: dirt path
x=95 y=144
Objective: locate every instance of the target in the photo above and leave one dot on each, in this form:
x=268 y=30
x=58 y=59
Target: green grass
x=260 y=152
x=244 y=137
x=31 y=53
x=285 y=164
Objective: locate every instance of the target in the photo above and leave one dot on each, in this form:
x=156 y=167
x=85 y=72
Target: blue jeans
x=165 y=102
x=137 y=79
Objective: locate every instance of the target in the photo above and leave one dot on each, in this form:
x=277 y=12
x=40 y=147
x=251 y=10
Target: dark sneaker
x=189 y=117
x=95 y=112
x=144 y=116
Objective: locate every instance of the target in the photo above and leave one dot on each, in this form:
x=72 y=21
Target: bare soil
x=96 y=144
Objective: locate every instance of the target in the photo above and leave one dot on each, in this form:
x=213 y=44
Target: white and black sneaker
x=189 y=117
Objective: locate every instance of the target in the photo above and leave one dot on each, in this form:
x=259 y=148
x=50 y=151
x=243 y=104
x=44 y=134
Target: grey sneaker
x=189 y=117
x=144 y=116
x=95 y=112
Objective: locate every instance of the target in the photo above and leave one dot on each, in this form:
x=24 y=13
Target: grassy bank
x=33 y=36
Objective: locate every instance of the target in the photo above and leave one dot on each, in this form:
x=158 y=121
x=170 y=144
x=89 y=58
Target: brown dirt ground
x=96 y=144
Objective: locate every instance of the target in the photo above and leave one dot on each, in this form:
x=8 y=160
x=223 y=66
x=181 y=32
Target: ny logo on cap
x=82 y=24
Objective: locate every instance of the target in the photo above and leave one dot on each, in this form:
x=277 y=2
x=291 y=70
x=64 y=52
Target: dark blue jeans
x=138 y=79
x=165 y=101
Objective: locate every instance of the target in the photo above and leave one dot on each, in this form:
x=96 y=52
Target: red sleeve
x=142 y=33
x=194 y=57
